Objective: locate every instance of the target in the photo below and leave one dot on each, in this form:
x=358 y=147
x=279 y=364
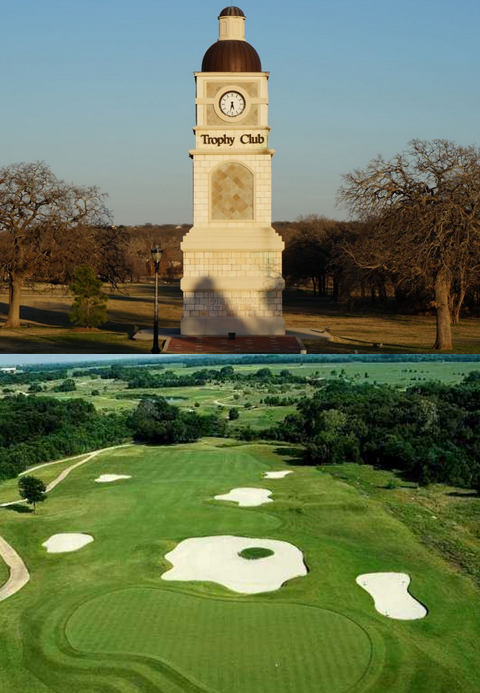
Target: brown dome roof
x=231 y=12
x=231 y=56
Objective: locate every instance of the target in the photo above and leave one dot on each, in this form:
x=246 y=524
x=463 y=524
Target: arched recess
x=232 y=193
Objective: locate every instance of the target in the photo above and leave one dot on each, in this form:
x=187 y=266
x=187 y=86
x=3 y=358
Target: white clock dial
x=232 y=104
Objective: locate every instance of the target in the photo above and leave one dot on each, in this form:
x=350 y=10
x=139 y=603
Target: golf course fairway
x=101 y=619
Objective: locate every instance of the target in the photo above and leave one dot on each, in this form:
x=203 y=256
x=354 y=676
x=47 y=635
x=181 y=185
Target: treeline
x=50 y=372
x=155 y=421
x=24 y=378
x=149 y=377
x=146 y=379
x=430 y=432
x=39 y=429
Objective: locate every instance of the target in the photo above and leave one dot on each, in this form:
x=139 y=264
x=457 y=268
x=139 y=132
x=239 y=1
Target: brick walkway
x=240 y=345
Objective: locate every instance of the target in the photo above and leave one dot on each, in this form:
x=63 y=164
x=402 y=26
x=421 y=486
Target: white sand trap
x=276 y=475
x=391 y=596
x=247 y=497
x=63 y=543
x=108 y=478
x=216 y=559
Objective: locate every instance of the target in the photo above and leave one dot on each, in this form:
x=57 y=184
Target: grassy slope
x=9 y=487
x=342 y=531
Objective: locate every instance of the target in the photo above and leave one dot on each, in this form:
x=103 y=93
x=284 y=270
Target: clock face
x=232 y=104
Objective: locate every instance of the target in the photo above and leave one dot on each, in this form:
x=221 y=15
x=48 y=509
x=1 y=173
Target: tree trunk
x=457 y=308
x=14 y=294
x=443 y=340
x=458 y=301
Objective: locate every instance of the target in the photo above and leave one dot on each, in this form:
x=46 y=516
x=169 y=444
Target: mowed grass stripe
x=229 y=646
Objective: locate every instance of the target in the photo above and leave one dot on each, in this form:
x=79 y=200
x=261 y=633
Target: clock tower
x=232 y=256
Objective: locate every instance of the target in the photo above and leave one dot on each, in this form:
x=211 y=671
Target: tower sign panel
x=232 y=256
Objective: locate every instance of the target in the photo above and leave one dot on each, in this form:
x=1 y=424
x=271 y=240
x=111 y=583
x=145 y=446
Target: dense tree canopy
x=156 y=421
x=39 y=429
x=430 y=432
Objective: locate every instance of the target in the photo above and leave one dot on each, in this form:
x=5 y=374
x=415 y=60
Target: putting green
x=255 y=553
x=229 y=647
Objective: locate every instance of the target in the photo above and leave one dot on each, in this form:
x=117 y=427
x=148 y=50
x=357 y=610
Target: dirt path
x=19 y=575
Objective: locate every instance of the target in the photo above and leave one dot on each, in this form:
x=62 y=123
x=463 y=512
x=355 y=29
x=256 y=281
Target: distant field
x=45 y=310
x=114 y=395
x=102 y=619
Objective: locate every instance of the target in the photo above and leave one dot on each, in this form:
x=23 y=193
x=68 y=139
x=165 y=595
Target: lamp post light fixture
x=156 y=257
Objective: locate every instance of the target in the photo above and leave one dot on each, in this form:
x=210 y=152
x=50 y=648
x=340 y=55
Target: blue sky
x=103 y=91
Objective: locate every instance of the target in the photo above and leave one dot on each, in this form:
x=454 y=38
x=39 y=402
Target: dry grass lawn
x=46 y=327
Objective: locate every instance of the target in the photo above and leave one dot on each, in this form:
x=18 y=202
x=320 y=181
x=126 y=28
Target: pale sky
x=103 y=91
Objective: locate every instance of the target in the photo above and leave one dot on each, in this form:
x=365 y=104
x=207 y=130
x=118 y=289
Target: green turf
x=253 y=553
x=47 y=473
x=102 y=619
x=215 y=651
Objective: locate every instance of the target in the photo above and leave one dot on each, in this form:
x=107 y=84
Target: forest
x=40 y=429
x=430 y=433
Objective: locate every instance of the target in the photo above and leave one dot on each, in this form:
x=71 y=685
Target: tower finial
x=232 y=24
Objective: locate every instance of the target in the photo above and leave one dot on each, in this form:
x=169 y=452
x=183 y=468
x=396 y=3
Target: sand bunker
x=247 y=497
x=63 y=543
x=391 y=596
x=216 y=559
x=276 y=475
x=108 y=478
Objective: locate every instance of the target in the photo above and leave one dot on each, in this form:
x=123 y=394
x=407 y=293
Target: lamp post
x=156 y=257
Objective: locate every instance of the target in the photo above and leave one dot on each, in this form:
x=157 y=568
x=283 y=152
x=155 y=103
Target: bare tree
x=36 y=211
x=423 y=208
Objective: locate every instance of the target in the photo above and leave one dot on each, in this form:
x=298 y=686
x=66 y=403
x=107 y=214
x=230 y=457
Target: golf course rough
x=226 y=646
x=390 y=595
x=247 y=497
x=216 y=559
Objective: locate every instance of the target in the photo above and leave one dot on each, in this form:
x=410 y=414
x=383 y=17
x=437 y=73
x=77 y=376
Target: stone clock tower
x=232 y=256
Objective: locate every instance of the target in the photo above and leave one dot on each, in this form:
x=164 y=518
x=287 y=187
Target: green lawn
x=101 y=619
x=9 y=487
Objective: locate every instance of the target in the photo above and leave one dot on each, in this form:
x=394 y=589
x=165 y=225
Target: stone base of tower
x=232 y=281
x=220 y=327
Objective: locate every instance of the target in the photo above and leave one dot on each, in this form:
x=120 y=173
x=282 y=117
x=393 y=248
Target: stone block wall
x=232 y=263
x=237 y=304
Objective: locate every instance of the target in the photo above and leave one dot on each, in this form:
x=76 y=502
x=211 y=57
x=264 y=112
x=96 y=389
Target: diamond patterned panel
x=232 y=192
